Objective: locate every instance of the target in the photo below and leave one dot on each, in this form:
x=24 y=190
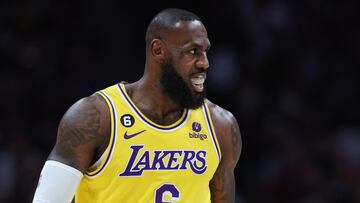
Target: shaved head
x=165 y=21
x=176 y=46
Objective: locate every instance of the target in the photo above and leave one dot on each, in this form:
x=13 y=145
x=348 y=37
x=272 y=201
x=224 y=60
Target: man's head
x=163 y=24
x=177 y=41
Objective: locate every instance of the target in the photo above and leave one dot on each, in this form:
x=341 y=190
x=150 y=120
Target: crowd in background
x=287 y=70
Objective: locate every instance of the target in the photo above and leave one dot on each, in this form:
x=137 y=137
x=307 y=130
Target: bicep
x=79 y=134
x=222 y=185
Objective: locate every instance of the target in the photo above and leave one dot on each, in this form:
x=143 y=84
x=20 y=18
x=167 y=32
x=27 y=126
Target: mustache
x=199 y=70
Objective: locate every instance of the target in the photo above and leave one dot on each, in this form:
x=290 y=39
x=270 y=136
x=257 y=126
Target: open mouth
x=197 y=82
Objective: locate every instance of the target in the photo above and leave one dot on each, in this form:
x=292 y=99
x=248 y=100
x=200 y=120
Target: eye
x=193 y=51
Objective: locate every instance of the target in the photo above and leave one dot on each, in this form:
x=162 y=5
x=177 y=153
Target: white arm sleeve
x=57 y=184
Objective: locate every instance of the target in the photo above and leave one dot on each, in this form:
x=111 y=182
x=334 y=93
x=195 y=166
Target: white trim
x=97 y=164
x=211 y=133
x=111 y=151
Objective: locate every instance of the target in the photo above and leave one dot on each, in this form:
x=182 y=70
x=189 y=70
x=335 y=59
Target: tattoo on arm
x=236 y=141
x=219 y=193
x=222 y=185
x=217 y=185
x=79 y=126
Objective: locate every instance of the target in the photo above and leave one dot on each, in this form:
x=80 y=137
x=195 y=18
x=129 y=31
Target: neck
x=149 y=98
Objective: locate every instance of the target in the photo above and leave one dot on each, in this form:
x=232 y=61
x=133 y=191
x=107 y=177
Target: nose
x=202 y=61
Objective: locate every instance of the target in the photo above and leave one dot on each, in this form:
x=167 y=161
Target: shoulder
x=95 y=103
x=220 y=115
x=92 y=108
x=82 y=132
x=227 y=132
x=89 y=114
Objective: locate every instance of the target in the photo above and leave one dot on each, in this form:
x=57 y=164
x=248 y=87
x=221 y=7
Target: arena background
x=288 y=70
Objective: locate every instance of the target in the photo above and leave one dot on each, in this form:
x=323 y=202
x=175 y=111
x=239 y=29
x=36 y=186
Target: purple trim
x=112 y=142
x=212 y=132
x=144 y=119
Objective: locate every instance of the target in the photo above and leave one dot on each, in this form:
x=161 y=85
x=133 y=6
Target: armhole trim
x=212 y=129
x=106 y=156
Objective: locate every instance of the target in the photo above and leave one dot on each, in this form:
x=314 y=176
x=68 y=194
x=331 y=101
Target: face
x=184 y=71
x=179 y=89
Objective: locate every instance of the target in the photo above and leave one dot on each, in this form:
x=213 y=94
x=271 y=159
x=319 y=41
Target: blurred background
x=288 y=70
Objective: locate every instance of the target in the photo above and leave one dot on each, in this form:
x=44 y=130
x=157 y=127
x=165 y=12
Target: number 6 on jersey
x=169 y=190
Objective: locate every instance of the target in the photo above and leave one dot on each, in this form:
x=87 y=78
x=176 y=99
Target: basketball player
x=157 y=140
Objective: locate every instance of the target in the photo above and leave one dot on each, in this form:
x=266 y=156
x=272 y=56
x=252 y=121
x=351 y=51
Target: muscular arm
x=82 y=133
x=82 y=136
x=222 y=185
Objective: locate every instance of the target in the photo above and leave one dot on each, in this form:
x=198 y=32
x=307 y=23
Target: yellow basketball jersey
x=150 y=163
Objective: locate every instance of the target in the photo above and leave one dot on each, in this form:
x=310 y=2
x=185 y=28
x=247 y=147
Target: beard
x=178 y=90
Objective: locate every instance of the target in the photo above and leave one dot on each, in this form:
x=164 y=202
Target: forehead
x=186 y=33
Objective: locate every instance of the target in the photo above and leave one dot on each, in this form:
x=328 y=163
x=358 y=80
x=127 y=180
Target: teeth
x=198 y=80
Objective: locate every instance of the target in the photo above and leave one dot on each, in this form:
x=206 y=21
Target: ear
x=157 y=50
